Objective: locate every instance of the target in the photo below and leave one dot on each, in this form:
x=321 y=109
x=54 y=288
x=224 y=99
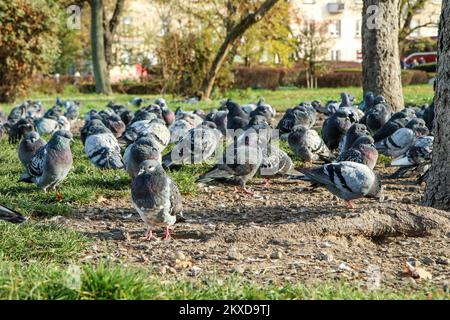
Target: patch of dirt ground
x=282 y=233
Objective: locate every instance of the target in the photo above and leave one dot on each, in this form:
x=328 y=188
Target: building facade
x=344 y=18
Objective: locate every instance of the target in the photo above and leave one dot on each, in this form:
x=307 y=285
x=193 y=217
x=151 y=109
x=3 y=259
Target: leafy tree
x=311 y=43
x=28 y=43
x=408 y=10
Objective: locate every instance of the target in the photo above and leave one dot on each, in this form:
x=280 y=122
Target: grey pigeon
x=275 y=163
x=136 y=153
x=335 y=127
x=354 y=132
x=369 y=101
x=102 y=148
x=376 y=117
x=28 y=147
x=51 y=163
x=418 y=157
x=308 y=145
x=46 y=125
x=362 y=151
x=156 y=197
x=399 y=120
x=239 y=164
x=19 y=129
x=155 y=128
x=197 y=146
x=398 y=143
x=10 y=215
x=347 y=180
x=304 y=115
x=179 y=129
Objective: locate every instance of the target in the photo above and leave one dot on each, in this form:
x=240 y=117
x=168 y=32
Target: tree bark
x=110 y=29
x=437 y=194
x=381 y=61
x=101 y=74
x=237 y=31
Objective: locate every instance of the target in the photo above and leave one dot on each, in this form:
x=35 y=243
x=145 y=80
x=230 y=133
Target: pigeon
x=303 y=114
x=28 y=147
x=127 y=117
x=418 y=125
x=156 y=128
x=17 y=113
x=239 y=164
x=399 y=120
x=102 y=148
x=369 y=101
x=156 y=198
x=308 y=145
x=347 y=180
x=354 y=132
x=196 y=147
x=179 y=129
x=143 y=115
x=11 y=216
x=136 y=153
x=3 y=131
x=20 y=129
x=72 y=110
x=234 y=110
x=46 y=125
x=428 y=116
x=398 y=143
x=63 y=123
x=275 y=163
x=418 y=156
x=362 y=151
x=335 y=127
x=115 y=124
x=51 y=163
x=137 y=102
x=376 y=117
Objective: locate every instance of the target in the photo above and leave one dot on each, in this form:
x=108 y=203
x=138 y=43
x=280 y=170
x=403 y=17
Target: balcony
x=335 y=7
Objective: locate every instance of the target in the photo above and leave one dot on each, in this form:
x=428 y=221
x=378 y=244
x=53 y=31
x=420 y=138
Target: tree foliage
x=28 y=43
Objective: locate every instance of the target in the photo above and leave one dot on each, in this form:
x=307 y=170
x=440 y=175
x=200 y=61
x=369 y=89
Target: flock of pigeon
x=241 y=138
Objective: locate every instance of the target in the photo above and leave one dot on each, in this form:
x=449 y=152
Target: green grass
x=38 y=242
x=36 y=259
x=107 y=281
x=281 y=99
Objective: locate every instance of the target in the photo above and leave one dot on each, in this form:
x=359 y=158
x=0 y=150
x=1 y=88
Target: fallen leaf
x=417 y=273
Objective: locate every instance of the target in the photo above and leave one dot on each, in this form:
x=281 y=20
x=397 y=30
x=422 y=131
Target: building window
x=335 y=55
x=414 y=24
x=335 y=28
x=358 y=29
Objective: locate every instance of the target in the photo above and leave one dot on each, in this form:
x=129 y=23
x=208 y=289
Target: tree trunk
x=237 y=31
x=110 y=29
x=102 y=84
x=437 y=194
x=381 y=62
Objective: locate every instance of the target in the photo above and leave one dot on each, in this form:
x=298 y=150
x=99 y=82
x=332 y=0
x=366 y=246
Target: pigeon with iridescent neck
x=51 y=163
x=156 y=198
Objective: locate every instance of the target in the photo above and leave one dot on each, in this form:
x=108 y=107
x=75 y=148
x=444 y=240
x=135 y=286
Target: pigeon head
x=150 y=167
x=61 y=140
x=364 y=140
x=369 y=98
x=161 y=102
x=32 y=136
x=97 y=127
x=209 y=125
x=345 y=98
x=127 y=116
x=168 y=115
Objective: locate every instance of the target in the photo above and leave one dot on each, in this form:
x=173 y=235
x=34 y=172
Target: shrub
x=27 y=43
x=257 y=77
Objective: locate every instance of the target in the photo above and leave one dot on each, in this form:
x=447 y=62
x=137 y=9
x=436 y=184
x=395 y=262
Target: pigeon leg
x=350 y=205
x=167 y=235
x=149 y=234
x=266 y=182
x=247 y=191
x=236 y=190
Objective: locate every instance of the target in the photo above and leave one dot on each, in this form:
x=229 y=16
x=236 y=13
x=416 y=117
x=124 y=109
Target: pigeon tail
x=26 y=177
x=10 y=215
x=215 y=173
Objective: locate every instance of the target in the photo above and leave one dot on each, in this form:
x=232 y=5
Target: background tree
x=235 y=30
x=28 y=43
x=437 y=193
x=311 y=42
x=381 y=62
x=408 y=10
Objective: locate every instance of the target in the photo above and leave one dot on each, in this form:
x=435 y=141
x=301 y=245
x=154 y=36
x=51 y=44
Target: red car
x=429 y=57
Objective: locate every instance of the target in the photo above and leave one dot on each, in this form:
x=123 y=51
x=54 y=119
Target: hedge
x=427 y=67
